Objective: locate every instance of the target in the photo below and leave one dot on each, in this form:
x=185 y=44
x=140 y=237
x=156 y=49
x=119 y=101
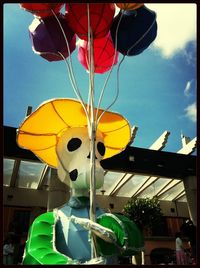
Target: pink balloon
x=105 y=54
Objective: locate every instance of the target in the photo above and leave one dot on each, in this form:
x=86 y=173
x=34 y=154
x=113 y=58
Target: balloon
x=131 y=6
x=42 y=10
x=101 y=17
x=137 y=30
x=104 y=53
x=46 y=36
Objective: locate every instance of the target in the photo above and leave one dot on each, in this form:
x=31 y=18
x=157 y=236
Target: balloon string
x=90 y=64
x=71 y=72
x=67 y=43
x=92 y=136
x=77 y=92
x=106 y=81
x=117 y=93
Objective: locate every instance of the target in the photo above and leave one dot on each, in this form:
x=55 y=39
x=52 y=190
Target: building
x=31 y=187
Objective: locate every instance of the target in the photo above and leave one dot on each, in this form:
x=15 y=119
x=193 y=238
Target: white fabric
x=99 y=260
x=103 y=232
x=179 y=244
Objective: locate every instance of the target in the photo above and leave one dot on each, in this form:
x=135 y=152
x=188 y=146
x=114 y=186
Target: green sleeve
x=129 y=238
x=40 y=248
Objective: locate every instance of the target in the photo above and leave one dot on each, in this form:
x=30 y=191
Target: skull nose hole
x=73 y=174
x=89 y=156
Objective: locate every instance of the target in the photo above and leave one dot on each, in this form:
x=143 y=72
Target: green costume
x=41 y=245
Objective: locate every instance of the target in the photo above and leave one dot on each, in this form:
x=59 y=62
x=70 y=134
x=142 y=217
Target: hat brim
x=40 y=131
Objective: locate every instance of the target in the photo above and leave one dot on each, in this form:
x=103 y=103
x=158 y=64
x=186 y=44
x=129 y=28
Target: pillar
x=59 y=192
x=190 y=184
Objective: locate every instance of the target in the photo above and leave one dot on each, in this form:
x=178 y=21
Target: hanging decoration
x=100 y=15
x=105 y=55
x=132 y=30
x=48 y=40
x=42 y=10
x=137 y=30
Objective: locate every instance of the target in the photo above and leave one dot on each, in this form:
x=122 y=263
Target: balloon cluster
x=54 y=34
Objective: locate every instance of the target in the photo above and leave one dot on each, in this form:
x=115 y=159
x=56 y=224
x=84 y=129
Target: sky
x=157 y=87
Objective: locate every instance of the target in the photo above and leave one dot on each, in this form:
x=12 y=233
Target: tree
x=145 y=212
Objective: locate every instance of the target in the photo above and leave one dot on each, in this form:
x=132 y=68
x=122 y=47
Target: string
x=106 y=81
x=92 y=136
x=77 y=92
x=71 y=72
x=117 y=93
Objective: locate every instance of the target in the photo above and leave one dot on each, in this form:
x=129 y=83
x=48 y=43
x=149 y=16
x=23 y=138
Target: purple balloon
x=48 y=39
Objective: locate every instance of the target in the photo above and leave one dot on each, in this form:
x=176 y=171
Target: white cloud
x=190 y=55
x=191 y=112
x=176 y=26
x=187 y=88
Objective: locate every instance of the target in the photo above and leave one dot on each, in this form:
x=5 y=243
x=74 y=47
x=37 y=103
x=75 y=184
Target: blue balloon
x=137 y=29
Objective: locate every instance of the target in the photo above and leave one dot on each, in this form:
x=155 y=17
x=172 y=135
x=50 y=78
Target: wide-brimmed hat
x=40 y=131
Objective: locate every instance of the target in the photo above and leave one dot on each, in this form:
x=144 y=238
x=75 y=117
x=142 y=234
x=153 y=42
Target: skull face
x=73 y=151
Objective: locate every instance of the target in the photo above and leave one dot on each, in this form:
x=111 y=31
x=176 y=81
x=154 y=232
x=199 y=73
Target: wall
x=174 y=209
x=24 y=197
x=162 y=242
x=34 y=198
x=180 y=208
x=118 y=202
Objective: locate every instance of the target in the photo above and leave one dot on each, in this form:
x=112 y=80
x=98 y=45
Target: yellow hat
x=41 y=130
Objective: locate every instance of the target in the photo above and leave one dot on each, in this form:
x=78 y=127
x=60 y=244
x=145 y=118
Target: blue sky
x=157 y=87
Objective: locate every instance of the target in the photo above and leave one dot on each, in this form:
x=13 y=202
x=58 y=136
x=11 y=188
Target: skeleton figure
x=73 y=151
x=63 y=236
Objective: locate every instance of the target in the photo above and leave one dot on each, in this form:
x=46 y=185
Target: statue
x=64 y=235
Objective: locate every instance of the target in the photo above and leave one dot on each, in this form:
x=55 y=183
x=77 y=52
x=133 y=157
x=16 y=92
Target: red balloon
x=104 y=53
x=101 y=17
x=42 y=10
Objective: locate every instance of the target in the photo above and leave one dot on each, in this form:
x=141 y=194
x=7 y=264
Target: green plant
x=145 y=212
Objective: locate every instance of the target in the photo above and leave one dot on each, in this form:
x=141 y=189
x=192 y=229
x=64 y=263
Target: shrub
x=145 y=212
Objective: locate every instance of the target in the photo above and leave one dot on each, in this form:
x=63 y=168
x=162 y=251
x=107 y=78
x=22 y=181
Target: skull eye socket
x=101 y=148
x=74 y=144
